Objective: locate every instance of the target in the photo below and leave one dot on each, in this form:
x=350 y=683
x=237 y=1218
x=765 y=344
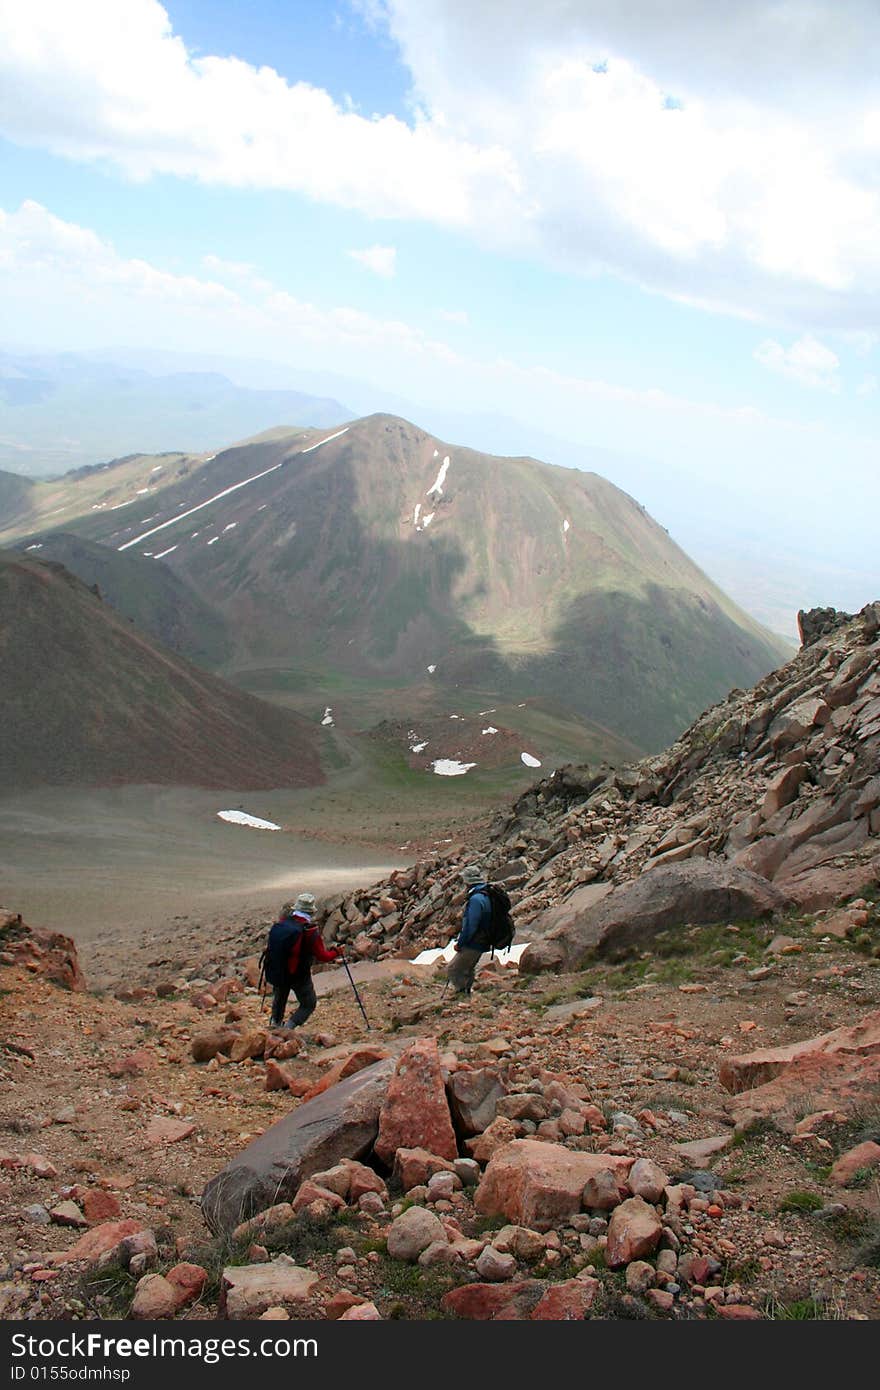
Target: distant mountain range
x=375 y=554
x=61 y=411
x=87 y=699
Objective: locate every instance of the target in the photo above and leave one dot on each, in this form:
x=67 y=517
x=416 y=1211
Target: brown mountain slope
x=379 y=552
x=88 y=700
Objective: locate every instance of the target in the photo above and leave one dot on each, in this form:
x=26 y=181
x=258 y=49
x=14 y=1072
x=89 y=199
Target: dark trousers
x=307 y=999
x=462 y=969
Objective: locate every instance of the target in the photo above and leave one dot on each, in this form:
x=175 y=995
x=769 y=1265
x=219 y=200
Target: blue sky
x=640 y=228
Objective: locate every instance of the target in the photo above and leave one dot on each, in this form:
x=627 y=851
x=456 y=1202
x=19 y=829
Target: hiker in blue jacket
x=472 y=938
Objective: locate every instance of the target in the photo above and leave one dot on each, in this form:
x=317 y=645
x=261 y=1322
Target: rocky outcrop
x=695 y=893
x=45 y=953
x=537 y=1184
x=780 y=780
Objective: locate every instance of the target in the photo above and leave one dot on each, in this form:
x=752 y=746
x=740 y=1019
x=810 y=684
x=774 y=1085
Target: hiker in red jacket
x=302 y=943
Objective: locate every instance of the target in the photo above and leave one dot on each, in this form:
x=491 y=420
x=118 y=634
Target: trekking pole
x=354 y=987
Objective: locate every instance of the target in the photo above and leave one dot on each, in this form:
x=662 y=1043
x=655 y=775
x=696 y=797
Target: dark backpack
x=276 y=954
x=499 y=932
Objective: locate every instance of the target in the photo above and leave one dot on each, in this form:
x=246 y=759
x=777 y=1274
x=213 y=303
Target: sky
x=645 y=227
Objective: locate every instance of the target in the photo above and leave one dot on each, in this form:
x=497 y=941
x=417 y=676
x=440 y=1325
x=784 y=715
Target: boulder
x=473 y=1096
x=206 y=1045
x=246 y=1291
x=633 y=1231
x=415 y=1112
x=343 y=1122
x=500 y=1132
x=537 y=1184
x=647 y=1179
x=154 y=1297
x=414 y=1167
x=845 y=1081
x=99 y=1240
x=355 y=1061
x=412 y=1232
x=569 y=1301
x=863 y=1156
x=482 y=1302
x=753 y=1069
x=699 y=891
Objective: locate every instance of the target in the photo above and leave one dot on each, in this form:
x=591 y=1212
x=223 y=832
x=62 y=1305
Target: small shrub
x=801 y=1201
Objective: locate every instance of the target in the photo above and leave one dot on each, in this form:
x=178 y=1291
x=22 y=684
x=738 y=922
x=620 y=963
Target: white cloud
x=381 y=260
x=721 y=155
x=458 y=316
x=48 y=261
x=807 y=361
x=869 y=387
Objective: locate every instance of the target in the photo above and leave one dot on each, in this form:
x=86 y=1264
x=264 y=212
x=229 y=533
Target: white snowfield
x=242 y=818
x=429 y=957
x=529 y=760
x=437 y=487
x=448 y=767
x=225 y=493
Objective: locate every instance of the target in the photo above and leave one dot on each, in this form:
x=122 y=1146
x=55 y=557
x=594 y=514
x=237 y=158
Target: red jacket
x=308 y=946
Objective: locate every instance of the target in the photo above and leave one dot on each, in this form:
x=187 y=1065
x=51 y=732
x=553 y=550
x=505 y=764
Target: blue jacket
x=477 y=914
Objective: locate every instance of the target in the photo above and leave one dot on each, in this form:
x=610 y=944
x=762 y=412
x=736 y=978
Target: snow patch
x=242 y=818
x=426 y=520
x=565 y=524
x=212 y=541
x=324 y=441
x=447 y=953
x=231 y=527
x=163 y=553
x=491 y=730
x=440 y=479
x=529 y=760
x=448 y=767
x=328 y=716
x=38 y=546
x=417 y=747
x=418 y=508
x=432 y=669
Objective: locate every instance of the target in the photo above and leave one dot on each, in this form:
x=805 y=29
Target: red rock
x=499 y=1133
x=188 y=1281
x=361 y=1312
x=99 y=1206
x=346 y=1066
x=633 y=1231
x=277 y=1078
x=362 y=1180
x=569 y=1301
x=99 y=1240
x=39 y=1166
x=829 y=1081
x=248 y=1045
x=536 y=1184
x=494 y=1302
x=863 y=1156
x=415 y=1112
x=340 y=1303
x=163 y=1130
x=738 y=1312
x=309 y=1192
x=204 y=1046
x=413 y=1167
